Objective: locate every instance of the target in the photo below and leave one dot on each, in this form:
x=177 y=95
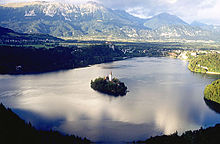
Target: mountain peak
x=164 y=19
x=169 y=17
x=165 y=14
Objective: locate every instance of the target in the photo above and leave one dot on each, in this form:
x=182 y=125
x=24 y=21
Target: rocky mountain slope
x=92 y=20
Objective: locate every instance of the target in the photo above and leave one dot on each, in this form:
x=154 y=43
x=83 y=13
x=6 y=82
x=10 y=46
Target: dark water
x=164 y=97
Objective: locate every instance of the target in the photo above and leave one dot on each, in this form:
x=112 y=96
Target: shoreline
x=213 y=73
x=210 y=73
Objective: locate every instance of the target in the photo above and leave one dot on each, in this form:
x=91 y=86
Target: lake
x=164 y=97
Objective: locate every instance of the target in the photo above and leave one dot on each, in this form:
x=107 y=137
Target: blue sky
x=206 y=11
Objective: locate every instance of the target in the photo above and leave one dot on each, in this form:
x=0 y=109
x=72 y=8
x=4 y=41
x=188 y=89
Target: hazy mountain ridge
x=96 y=21
x=213 y=28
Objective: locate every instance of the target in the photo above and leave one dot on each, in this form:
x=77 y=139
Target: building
x=110 y=76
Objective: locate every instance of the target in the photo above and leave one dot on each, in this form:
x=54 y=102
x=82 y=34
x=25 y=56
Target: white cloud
x=172 y=1
x=138 y=12
x=169 y=1
x=210 y=14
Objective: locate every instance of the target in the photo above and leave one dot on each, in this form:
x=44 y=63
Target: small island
x=212 y=92
x=109 y=85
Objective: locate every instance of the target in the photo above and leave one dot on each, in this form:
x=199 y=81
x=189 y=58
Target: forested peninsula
x=208 y=63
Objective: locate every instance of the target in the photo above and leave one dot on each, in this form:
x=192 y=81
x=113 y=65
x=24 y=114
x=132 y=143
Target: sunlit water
x=164 y=97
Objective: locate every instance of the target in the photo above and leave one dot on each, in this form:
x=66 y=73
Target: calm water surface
x=164 y=97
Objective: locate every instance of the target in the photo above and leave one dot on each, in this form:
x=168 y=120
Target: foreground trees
x=14 y=130
x=202 y=136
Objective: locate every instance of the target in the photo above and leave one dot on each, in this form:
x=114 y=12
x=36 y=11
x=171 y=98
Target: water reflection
x=164 y=97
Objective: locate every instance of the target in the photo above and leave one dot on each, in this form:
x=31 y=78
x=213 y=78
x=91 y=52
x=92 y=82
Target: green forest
x=212 y=91
x=114 y=87
x=205 y=63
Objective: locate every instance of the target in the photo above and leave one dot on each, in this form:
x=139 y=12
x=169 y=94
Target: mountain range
x=94 y=21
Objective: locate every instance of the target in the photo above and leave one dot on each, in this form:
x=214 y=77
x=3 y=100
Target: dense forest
x=23 y=60
x=114 y=87
x=212 y=91
x=205 y=63
x=14 y=130
x=201 y=136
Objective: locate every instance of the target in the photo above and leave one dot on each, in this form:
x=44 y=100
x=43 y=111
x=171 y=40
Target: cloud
x=210 y=14
x=201 y=10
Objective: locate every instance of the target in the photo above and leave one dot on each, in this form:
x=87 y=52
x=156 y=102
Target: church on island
x=109 y=77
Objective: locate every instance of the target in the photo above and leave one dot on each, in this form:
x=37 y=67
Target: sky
x=205 y=11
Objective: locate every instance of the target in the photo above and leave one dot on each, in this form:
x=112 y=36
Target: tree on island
x=109 y=86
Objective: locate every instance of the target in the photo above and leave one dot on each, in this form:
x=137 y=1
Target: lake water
x=164 y=97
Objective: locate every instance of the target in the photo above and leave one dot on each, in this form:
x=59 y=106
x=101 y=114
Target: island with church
x=109 y=85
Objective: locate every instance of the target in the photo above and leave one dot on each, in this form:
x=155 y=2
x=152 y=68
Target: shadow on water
x=39 y=121
x=213 y=105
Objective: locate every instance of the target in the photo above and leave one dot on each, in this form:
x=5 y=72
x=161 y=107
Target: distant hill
x=167 y=26
x=8 y=34
x=94 y=21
